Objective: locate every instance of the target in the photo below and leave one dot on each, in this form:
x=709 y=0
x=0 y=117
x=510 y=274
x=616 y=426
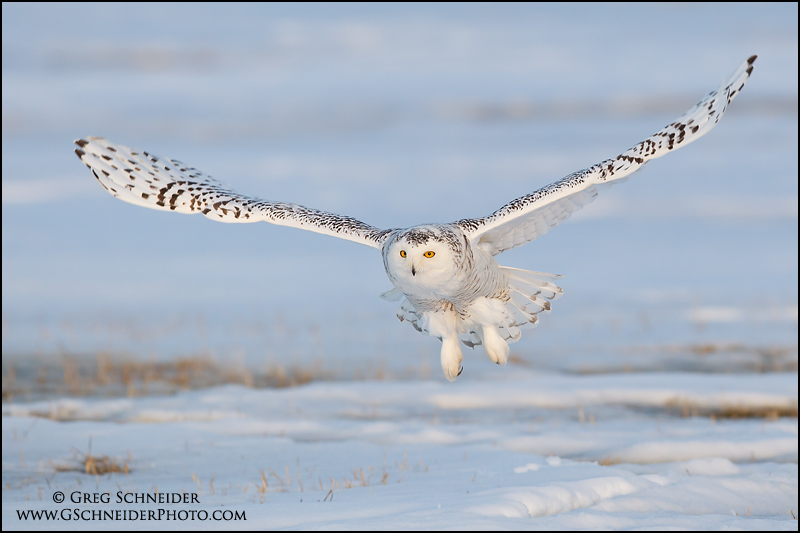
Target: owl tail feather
x=528 y=282
x=530 y=294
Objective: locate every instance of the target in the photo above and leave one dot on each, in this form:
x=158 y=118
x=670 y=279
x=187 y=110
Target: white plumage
x=446 y=274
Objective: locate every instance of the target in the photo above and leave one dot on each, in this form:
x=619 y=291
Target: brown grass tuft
x=686 y=409
x=106 y=375
x=96 y=465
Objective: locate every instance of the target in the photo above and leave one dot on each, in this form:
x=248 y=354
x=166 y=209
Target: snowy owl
x=446 y=274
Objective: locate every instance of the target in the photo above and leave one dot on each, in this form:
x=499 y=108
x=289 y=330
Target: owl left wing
x=533 y=215
x=144 y=179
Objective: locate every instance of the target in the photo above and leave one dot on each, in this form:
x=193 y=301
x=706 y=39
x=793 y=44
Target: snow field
x=570 y=451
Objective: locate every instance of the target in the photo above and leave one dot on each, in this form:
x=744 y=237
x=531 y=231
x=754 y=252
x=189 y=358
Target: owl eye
x=402 y=253
x=429 y=254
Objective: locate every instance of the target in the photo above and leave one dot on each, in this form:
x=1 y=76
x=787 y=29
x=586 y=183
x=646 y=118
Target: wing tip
x=88 y=139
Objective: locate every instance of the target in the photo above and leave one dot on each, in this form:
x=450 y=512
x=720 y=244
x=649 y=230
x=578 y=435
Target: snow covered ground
x=661 y=392
x=600 y=452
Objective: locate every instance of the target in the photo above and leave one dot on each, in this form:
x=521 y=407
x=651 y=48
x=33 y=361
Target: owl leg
x=496 y=347
x=444 y=324
x=451 y=358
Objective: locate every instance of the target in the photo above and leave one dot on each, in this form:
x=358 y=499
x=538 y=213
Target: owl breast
x=435 y=265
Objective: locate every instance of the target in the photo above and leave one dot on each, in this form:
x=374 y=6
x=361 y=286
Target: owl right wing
x=533 y=215
x=144 y=179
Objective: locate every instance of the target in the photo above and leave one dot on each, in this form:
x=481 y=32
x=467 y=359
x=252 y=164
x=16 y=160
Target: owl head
x=424 y=255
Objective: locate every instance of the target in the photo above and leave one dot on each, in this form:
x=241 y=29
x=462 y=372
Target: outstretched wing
x=531 y=216
x=144 y=179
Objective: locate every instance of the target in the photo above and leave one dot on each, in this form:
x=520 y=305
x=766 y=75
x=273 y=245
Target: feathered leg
x=496 y=347
x=451 y=358
x=444 y=324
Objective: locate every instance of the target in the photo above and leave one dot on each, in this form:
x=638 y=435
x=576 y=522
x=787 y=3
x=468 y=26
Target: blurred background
x=396 y=115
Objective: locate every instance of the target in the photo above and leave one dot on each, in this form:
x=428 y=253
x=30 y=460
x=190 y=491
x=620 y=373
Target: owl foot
x=496 y=347
x=451 y=358
x=450 y=377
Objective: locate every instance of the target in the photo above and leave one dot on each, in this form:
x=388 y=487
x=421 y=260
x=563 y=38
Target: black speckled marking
x=170 y=184
x=421 y=235
x=519 y=221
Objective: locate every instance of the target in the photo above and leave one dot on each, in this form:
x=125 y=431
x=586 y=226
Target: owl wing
x=144 y=179
x=533 y=215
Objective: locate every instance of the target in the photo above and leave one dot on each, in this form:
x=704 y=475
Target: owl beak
x=413 y=270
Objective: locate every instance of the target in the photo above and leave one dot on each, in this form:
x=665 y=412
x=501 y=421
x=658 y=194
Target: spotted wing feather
x=533 y=215
x=141 y=178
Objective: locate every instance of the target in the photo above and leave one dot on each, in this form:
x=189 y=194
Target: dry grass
x=687 y=409
x=360 y=477
x=96 y=465
x=29 y=378
x=707 y=357
x=105 y=375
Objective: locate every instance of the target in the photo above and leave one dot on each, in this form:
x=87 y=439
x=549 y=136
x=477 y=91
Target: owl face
x=422 y=258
